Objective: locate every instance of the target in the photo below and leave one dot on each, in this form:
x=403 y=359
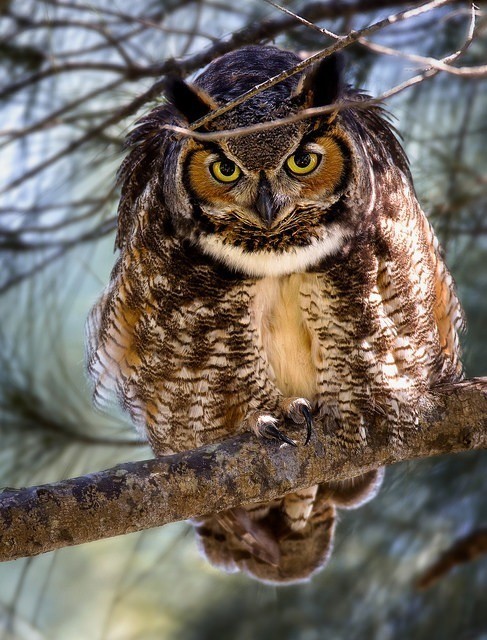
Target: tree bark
x=139 y=495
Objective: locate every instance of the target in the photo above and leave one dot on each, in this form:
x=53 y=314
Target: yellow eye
x=302 y=163
x=225 y=171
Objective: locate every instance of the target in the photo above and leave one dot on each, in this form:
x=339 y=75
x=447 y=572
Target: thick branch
x=140 y=495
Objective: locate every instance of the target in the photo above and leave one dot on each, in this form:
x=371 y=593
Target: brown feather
x=216 y=320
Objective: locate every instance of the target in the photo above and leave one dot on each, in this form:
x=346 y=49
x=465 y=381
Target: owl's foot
x=298 y=410
x=264 y=425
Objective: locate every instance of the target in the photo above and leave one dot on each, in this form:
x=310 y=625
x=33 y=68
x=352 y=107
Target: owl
x=272 y=281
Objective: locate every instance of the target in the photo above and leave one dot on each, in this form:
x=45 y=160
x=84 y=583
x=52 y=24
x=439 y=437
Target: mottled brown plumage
x=272 y=276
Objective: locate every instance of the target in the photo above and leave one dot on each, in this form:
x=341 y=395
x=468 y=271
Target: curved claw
x=309 y=422
x=271 y=431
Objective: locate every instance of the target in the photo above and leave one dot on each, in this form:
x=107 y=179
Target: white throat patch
x=272 y=263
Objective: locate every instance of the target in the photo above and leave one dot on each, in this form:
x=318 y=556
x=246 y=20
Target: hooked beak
x=265 y=201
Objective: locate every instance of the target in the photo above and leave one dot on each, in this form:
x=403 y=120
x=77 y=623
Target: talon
x=271 y=431
x=309 y=422
x=266 y=428
x=299 y=411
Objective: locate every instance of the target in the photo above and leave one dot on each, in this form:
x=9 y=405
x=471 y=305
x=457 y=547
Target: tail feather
x=284 y=541
x=295 y=554
x=354 y=492
x=251 y=534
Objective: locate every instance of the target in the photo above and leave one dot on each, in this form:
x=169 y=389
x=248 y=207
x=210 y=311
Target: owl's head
x=273 y=201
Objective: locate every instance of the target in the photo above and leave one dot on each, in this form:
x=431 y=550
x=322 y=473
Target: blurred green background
x=68 y=69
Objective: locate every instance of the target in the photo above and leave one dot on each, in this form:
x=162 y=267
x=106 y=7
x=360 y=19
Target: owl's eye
x=302 y=163
x=225 y=171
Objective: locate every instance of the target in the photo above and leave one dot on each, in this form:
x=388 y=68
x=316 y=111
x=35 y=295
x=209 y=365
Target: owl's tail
x=267 y=548
x=274 y=544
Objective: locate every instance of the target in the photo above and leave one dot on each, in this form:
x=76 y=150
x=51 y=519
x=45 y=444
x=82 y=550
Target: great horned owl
x=269 y=279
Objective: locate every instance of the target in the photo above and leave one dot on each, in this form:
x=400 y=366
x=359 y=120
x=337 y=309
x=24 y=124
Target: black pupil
x=302 y=160
x=227 y=168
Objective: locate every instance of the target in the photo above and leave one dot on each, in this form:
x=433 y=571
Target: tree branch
x=466 y=549
x=135 y=496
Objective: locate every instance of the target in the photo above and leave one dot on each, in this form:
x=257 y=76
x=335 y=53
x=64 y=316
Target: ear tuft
x=191 y=102
x=323 y=84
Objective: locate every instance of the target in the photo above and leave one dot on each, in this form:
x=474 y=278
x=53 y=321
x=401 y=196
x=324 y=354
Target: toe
x=306 y=411
x=267 y=428
x=299 y=411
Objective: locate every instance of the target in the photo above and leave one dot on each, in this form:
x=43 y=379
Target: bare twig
x=38 y=208
x=211 y=136
x=347 y=40
x=435 y=63
x=302 y=20
x=476 y=72
x=58 y=249
x=53 y=118
x=468 y=548
x=314 y=111
x=16 y=243
x=97 y=129
x=257 y=32
x=67 y=67
x=136 y=496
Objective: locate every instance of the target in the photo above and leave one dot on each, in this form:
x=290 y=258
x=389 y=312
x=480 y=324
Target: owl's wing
x=418 y=313
x=112 y=355
x=447 y=311
x=104 y=383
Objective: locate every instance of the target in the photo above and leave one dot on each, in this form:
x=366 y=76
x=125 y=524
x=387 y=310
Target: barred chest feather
x=352 y=361
x=210 y=325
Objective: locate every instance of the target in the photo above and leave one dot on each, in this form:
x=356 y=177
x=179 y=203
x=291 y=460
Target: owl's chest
x=280 y=312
